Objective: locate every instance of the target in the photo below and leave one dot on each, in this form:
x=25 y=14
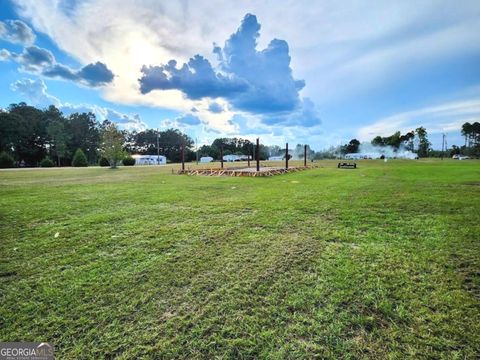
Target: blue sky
x=319 y=72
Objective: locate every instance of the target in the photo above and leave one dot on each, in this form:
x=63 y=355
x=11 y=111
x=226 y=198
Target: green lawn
x=378 y=262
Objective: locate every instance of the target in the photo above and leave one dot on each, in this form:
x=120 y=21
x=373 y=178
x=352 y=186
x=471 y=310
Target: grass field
x=378 y=262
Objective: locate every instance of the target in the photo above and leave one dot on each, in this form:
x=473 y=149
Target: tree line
x=417 y=141
x=29 y=136
x=396 y=141
x=46 y=137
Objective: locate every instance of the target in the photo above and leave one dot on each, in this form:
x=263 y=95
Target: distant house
x=232 y=158
x=359 y=156
x=150 y=159
x=206 y=159
x=276 y=158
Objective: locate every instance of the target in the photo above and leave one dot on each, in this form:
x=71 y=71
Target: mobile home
x=150 y=159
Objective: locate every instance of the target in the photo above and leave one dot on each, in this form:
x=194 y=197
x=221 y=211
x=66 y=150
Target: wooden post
x=249 y=153
x=221 y=156
x=183 y=157
x=286 y=156
x=443 y=145
x=258 y=154
x=305 y=155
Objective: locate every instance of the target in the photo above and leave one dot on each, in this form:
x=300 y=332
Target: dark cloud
x=96 y=74
x=92 y=74
x=16 y=31
x=215 y=108
x=41 y=61
x=34 y=59
x=196 y=79
x=254 y=81
x=60 y=71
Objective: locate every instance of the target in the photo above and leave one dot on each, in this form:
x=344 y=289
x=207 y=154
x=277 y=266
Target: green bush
x=6 y=161
x=128 y=161
x=47 y=162
x=103 y=161
x=79 y=159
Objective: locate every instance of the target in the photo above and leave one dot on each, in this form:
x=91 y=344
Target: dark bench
x=347 y=165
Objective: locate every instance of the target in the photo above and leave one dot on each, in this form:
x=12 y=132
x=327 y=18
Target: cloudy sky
x=317 y=72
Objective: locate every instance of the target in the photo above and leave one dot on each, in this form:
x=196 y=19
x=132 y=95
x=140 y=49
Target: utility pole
x=196 y=141
x=258 y=154
x=446 y=144
x=158 y=148
x=183 y=156
x=221 y=156
x=443 y=145
x=305 y=155
x=286 y=156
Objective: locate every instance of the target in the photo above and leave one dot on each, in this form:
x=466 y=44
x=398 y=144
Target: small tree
x=47 y=162
x=79 y=159
x=128 y=161
x=103 y=162
x=112 y=145
x=6 y=161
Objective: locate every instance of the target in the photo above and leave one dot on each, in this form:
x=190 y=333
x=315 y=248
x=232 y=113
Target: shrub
x=103 y=161
x=6 y=161
x=79 y=159
x=128 y=161
x=47 y=162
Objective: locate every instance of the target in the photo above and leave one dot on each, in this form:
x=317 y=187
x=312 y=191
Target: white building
x=232 y=158
x=275 y=158
x=150 y=159
x=359 y=156
x=206 y=159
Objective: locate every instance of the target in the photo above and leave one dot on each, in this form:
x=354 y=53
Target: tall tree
x=85 y=134
x=57 y=133
x=144 y=142
x=31 y=137
x=172 y=140
x=471 y=132
x=423 y=143
x=394 y=140
x=112 y=145
x=466 y=131
x=475 y=133
x=378 y=141
x=352 y=147
x=13 y=133
x=407 y=140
